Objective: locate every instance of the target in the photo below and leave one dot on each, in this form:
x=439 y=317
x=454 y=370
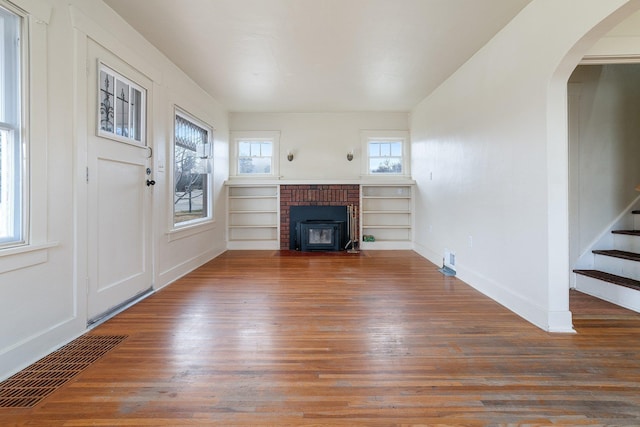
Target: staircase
x=616 y=273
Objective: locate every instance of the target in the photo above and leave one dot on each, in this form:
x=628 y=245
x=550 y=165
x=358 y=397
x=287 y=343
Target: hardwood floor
x=377 y=339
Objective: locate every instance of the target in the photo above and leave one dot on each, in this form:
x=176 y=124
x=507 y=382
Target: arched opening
x=565 y=241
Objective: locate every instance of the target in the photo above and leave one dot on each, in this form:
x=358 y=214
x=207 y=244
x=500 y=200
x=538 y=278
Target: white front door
x=119 y=199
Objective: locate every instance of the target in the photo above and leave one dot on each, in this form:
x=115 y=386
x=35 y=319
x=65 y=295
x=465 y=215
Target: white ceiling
x=318 y=55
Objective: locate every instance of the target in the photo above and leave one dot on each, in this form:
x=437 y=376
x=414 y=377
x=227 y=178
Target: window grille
x=255 y=157
x=385 y=157
x=121 y=107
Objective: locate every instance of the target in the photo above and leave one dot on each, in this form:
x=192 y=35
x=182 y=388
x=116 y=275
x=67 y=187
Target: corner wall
x=493 y=176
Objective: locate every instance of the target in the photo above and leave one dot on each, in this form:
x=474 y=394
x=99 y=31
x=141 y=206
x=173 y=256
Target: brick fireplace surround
x=313 y=195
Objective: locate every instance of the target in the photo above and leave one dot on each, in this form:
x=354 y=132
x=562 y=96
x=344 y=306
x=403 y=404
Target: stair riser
x=625 y=242
x=636 y=222
x=618 y=266
x=615 y=294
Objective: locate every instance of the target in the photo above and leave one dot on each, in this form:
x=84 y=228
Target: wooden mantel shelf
x=333 y=181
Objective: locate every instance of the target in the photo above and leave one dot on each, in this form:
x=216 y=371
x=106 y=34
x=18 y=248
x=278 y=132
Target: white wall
x=319 y=141
x=604 y=148
x=43 y=292
x=491 y=142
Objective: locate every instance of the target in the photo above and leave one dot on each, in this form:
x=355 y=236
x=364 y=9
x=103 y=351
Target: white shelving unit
x=386 y=213
x=253 y=220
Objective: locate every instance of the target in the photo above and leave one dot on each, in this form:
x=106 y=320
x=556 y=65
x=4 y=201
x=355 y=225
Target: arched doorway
x=558 y=142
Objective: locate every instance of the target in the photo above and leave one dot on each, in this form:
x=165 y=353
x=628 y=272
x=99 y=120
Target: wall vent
x=449 y=260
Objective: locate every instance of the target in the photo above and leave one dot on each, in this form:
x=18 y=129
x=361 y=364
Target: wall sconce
x=290 y=155
x=350 y=155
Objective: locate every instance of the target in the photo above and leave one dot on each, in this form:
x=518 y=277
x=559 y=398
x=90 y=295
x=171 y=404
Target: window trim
x=185 y=228
x=385 y=135
x=35 y=246
x=241 y=136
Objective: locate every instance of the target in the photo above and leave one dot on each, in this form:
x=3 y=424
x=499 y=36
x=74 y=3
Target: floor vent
x=29 y=386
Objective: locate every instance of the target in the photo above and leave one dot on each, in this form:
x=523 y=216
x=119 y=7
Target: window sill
x=24 y=256
x=256 y=177
x=190 y=230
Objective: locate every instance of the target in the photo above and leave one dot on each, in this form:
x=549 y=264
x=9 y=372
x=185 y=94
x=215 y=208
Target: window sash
x=121 y=107
x=192 y=180
x=385 y=157
x=255 y=157
x=12 y=164
x=10 y=188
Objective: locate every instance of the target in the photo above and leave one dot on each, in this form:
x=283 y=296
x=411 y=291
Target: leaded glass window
x=121 y=107
x=191 y=170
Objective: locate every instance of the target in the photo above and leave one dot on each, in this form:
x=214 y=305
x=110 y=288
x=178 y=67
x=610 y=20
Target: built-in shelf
x=390 y=227
x=386 y=212
x=388 y=197
x=252 y=197
x=387 y=215
x=248 y=212
x=253 y=216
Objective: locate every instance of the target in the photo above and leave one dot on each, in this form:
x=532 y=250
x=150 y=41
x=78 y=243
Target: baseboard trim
x=550 y=321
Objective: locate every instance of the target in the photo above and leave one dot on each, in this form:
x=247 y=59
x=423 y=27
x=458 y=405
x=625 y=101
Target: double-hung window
x=192 y=164
x=386 y=153
x=385 y=156
x=255 y=157
x=12 y=148
x=255 y=153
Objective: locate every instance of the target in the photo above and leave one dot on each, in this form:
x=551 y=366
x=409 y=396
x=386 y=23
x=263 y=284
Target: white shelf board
x=387 y=197
x=390 y=227
x=253 y=212
x=387 y=212
x=254 y=226
x=254 y=197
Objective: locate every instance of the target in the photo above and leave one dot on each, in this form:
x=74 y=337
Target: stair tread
x=611 y=278
x=630 y=232
x=632 y=256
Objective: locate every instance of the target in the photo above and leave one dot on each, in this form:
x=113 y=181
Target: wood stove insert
x=318 y=228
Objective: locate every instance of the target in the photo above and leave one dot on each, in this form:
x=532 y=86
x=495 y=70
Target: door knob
x=150 y=182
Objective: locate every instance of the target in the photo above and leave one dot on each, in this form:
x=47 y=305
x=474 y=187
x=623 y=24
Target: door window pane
x=121 y=107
